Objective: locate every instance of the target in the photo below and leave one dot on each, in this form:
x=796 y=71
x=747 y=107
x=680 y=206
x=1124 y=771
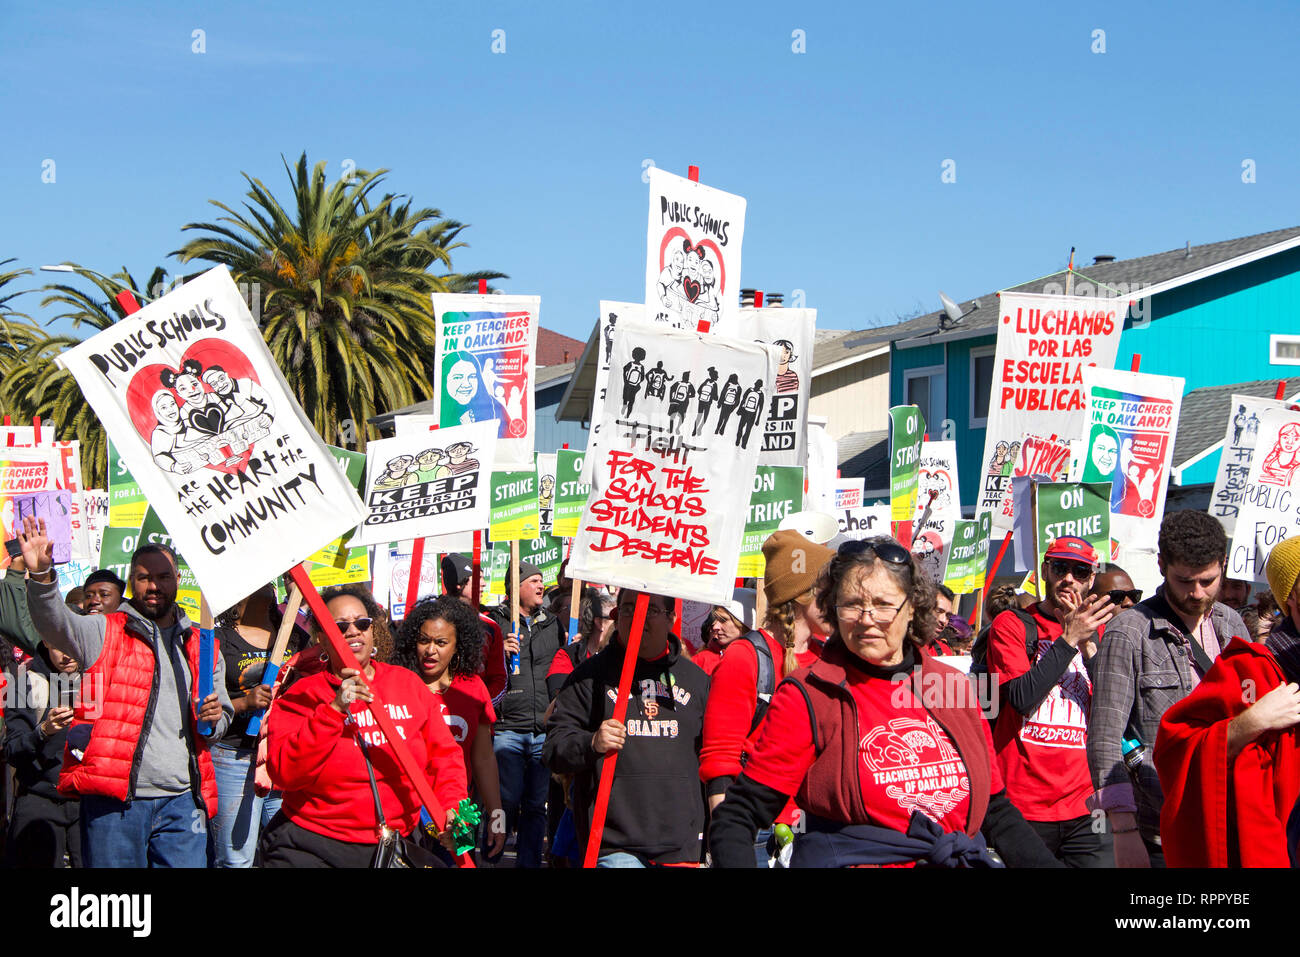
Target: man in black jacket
x=656 y=807
x=520 y=728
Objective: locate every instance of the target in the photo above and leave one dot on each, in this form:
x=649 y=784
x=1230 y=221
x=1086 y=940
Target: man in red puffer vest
x=135 y=754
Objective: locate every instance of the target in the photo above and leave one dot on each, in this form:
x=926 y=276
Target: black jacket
x=525 y=702
x=656 y=807
x=36 y=760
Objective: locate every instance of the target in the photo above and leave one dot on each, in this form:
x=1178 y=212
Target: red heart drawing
x=674 y=237
x=691 y=287
x=195 y=400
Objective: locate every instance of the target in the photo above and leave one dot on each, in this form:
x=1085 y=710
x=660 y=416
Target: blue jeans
x=619 y=859
x=524 y=782
x=147 y=832
x=241 y=812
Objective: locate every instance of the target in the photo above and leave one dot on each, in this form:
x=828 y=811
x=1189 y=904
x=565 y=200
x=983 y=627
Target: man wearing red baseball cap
x=1044 y=694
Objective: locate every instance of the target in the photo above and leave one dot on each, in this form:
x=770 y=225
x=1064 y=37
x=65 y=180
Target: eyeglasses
x=1117 y=595
x=886 y=549
x=881 y=614
x=363 y=624
x=1080 y=570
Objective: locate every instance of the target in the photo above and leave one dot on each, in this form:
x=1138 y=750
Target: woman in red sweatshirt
x=328 y=818
x=885 y=749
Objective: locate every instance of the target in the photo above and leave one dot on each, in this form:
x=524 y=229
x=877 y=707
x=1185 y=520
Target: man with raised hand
x=1152 y=656
x=1041 y=732
x=136 y=755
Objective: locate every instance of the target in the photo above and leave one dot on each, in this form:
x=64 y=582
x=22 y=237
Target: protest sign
x=848 y=493
x=611 y=314
x=545 y=490
x=205 y=422
x=776 y=493
x=1044 y=342
x=68 y=478
x=72 y=574
x=427 y=483
x=486 y=360
x=1132 y=424
x=118 y=546
x=337 y=552
x=514 y=514
x=1239 y=439
x=785 y=431
x=820 y=474
x=938 y=502
x=55 y=509
x=1270 y=507
x=126 y=499
x=906 y=431
x=868 y=521
x=95 y=501
x=968 y=556
x=570 y=492
x=690 y=628
x=352 y=565
x=663 y=515
x=1078 y=510
x=1032 y=457
x=414 y=422
x=153 y=532
x=693 y=244
x=23 y=471
x=545 y=551
x=398 y=574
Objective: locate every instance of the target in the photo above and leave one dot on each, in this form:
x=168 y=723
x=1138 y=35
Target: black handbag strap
x=374 y=788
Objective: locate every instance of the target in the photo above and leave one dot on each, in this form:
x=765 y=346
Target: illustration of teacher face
x=220 y=382
x=186 y=382
x=462 y=382
x=165 y=407
x=1104 y=453
x=1288 y=437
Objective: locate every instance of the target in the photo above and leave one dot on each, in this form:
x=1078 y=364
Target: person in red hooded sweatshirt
x=314 y=751
x=751 y=667
x=1228 y=754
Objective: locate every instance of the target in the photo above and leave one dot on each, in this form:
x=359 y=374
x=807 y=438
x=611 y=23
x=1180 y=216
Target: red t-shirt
x=494 y=659
x=906 y=760
x=465 y=707
x=733 y=698
x=707 y=658
x=1043 y=757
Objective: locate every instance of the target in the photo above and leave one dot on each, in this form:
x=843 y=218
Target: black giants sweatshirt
x=656 y=808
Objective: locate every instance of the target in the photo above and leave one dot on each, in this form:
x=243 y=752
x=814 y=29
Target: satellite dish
x=950 y=309
x=817 y=527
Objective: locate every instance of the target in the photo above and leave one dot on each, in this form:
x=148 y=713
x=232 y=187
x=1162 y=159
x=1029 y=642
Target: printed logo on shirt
x=917 y=766
x=377 y=738
x=1061 y=721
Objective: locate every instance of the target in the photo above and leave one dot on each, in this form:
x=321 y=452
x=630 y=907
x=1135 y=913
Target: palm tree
x=345 y=283
x=31 y=384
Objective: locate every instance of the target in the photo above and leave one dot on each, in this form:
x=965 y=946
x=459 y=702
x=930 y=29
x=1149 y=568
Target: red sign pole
x=1136 y=364
x=1280 y=394
x=620 y=714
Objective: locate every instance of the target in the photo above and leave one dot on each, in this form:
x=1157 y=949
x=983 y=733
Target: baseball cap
x=1075 y=549
x=456 y=570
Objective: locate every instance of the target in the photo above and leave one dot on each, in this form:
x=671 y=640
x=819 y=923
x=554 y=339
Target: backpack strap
x=812 y=715
x=1031 y=633
x=766 y=677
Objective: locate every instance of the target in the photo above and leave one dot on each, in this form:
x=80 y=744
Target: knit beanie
x=792 y=566
x=1283 y=569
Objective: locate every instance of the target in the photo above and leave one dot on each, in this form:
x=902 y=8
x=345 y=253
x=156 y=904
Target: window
x=1284 y=350
x=981 y=385
x=927 y=388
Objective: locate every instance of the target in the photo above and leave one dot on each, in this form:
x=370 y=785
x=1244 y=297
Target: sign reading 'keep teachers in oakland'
x=204 y=420
x=665 y=514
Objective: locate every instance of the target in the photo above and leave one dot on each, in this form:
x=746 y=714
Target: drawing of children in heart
x=200 y=411
x=171 y=437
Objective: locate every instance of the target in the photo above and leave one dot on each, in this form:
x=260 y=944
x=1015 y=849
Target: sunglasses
x=1080 y=570
x=363 y=624
x=1117 y=595
x=886 y=549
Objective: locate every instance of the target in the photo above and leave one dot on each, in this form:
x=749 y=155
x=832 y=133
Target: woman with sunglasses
x=884 y=748
x=319 y=746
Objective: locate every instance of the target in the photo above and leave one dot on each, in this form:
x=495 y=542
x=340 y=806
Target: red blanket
x=1216 y=815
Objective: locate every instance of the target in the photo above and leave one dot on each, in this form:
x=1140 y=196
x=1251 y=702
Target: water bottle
x=1135 y=753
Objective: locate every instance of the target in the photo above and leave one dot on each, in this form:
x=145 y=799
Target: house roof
x=1203 y=416
x=865 y=455
x=1152 y=274
x=554 y=349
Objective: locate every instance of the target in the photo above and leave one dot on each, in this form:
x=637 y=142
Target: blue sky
x=838 y=150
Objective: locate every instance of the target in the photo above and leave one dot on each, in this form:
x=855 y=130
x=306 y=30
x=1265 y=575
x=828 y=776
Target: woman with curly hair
x=441 y=642
x=883 y=747
x=320 y=750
